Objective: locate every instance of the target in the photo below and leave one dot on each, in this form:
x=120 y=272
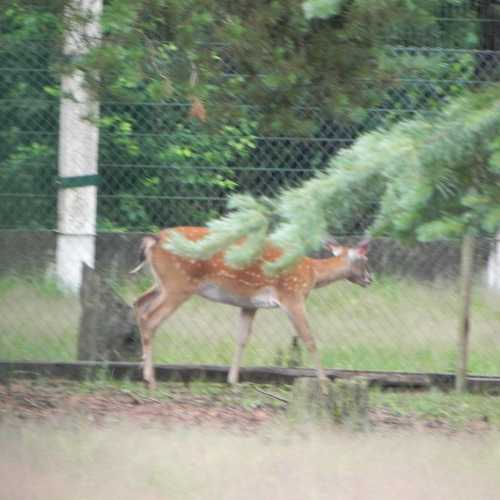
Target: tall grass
x=37 y=321
x=395 y=324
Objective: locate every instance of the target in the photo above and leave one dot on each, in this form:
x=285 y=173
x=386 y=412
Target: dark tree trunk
x=488 y=64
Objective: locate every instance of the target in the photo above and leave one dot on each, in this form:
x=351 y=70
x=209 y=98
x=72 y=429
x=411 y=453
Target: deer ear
x=334 y=246
x=362 y=248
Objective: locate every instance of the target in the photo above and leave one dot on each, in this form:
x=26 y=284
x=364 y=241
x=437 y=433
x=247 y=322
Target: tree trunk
x=466 y=274
x=489 y=35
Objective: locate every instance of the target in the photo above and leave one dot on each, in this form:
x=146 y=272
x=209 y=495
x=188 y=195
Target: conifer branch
x=428 y=177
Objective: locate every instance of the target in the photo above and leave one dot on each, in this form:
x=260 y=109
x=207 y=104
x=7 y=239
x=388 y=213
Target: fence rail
x=212 y=373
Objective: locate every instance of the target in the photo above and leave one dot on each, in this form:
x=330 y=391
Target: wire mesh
x=161 y=169
x=406 y=320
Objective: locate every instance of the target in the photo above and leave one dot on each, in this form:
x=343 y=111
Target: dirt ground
x=27 y=400
x=247 y=409
x=96 y=440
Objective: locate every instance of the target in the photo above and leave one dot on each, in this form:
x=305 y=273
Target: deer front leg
x=244 y=331
x=296 y=311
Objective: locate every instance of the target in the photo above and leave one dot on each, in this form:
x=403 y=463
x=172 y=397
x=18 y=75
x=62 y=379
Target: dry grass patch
x=79 y=461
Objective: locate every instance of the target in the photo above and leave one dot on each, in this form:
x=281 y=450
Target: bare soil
x=26 y=400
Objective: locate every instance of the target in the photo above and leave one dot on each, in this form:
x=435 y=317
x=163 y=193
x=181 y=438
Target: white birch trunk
x=78 y=153
x=493 y=271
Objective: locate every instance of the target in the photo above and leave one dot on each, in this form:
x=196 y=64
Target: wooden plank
x=83 y=370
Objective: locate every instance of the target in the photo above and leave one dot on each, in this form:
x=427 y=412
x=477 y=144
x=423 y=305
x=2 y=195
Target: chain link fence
x=160 y=169
x=406 y=321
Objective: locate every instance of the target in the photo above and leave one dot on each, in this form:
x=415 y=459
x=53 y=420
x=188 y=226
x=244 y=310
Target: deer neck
x=327 y=271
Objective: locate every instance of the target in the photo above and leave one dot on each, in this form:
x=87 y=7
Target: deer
x=178 y=278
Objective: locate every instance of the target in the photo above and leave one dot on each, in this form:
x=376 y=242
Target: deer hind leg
x=297 y=313
x=144 y=302
x=142 y=305
x=151 y=309
x=244 y=331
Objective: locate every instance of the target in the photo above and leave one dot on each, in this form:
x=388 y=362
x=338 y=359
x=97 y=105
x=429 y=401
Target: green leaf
x=441 y=229
x=321 y=9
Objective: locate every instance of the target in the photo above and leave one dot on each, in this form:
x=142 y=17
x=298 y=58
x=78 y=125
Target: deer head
x=356 y=260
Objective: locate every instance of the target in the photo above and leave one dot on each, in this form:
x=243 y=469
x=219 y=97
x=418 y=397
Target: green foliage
x=430 y=178
x=249 y=217
x=321 y=9
x=23 y=21
x=429 y=79
x=174 y=161
x=268 y=53
x=27 y=160
x=446 y=186
x=263 y=69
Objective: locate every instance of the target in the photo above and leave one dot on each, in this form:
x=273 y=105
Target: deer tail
x=146 y=244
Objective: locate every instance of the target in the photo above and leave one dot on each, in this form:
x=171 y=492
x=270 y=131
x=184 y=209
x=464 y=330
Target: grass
x=72 y=455
x=37 y=321
x=451 y=408
x=395 y=324
x=76 y=459
x=455 y=410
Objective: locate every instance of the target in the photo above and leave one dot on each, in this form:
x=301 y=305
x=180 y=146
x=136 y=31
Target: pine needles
x=426 y=178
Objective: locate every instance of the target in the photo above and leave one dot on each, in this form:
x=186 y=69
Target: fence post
x=78 y=149
x=466 y=274
x=494 y=264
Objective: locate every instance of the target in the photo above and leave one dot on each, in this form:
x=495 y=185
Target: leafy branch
x=430 y=178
